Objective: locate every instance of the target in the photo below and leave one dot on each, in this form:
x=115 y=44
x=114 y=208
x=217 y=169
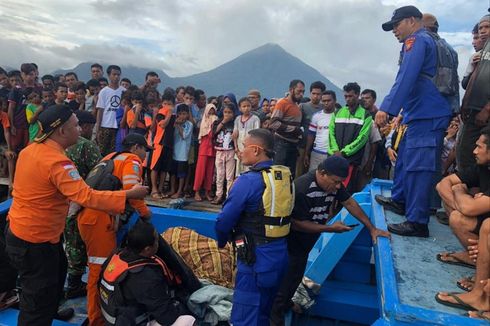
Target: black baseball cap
x=135 y=139
x=85 y=117
x=399 y=14
x=50 y=119
x=336 y=165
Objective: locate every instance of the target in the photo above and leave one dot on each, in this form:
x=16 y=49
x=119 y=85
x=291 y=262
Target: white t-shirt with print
x=319 y=126
x=109 y=100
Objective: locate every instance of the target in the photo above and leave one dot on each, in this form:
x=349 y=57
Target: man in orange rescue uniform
x=98 y=229
x=45 y=182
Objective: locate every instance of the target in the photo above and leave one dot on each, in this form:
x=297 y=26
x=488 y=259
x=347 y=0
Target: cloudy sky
x=342 y=38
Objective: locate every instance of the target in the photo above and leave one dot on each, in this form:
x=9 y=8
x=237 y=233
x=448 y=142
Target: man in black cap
x=315 y=195
x=45 y=181
x=426 y=112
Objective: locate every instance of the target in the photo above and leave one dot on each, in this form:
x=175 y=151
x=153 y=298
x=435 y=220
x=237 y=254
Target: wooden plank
x=190 y=204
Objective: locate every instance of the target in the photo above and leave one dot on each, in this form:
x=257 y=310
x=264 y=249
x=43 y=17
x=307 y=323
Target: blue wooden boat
x=391 y=283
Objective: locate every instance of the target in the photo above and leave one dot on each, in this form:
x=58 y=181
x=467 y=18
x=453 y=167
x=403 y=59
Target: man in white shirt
x=108 y=103
x=318 y=134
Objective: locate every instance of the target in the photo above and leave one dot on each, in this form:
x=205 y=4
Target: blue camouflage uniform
x=255 y=285
x=427 y=114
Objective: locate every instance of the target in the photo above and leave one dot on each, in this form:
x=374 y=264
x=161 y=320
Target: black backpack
x=101 y=177
x=446 y=77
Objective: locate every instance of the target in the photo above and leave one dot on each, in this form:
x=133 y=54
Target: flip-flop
x=156 y=195
x=459 y=305
x=479 y=315
x=469 y=279
x=456 y=261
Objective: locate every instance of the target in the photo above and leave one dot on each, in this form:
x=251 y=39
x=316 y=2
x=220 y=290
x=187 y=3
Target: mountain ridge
x=268 y=68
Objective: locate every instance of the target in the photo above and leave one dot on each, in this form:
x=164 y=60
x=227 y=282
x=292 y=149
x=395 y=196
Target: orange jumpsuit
x=98 y=231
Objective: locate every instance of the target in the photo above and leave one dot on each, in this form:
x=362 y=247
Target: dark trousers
x=286 y=154
x=418 y=163
x=8 y=274
x=298 y=251
x=42 y=270
x=467 y=142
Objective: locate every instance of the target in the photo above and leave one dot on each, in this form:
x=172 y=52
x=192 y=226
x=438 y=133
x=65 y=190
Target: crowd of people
x=185 y=143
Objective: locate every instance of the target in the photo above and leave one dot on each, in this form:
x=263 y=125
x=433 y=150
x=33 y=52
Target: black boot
x=409 y=229
x=389 y=204
x=64 y=314
x=76 y=288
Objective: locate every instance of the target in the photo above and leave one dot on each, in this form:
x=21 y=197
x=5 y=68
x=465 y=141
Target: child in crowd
x=78 y=103
x=182 y=144
x=163 y=144
x=243 y=124
x=121 y=119
x=33 y=109
x=393 y=141
x=448 y=157
x=60 y=93
x=225 y=152
x=206 y=155
x=138 y=118
x=48 y=97
x=7 y=156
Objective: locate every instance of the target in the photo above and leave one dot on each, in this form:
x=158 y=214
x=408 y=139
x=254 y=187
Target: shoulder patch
x=409 y=42
x=74 y=174
x=136 y=168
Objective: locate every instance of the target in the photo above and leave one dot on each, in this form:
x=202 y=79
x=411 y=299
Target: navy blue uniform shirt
x=245 y=196
x=416 y=94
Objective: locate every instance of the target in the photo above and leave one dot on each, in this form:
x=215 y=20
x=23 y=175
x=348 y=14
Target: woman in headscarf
x=206 y=156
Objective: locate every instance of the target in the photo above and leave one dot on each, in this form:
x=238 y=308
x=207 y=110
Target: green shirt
x=85 y=154
x=33 y=127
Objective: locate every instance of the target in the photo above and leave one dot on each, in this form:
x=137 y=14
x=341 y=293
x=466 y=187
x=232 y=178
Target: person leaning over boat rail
x=46 y=179
x=255 y=216
x=315 y=193
x=426 y=113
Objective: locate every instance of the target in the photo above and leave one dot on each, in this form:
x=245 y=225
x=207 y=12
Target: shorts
x=479 y=222
x=20 y=140
x=179 y=168
x=164 y=163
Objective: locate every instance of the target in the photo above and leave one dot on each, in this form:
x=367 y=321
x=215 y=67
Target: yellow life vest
x=273 y=220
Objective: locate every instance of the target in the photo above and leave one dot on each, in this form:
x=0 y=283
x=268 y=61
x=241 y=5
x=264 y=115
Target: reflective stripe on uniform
x=130 y=176
x=120 y=157
x=107 y=285
x=130 y=182
x=273 y=193
x=110 y=319
x=96 y=260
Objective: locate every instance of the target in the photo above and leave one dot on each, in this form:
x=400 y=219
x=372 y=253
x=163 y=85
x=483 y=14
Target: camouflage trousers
x=76 y=253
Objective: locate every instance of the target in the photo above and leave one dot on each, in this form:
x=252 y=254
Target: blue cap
x=399 y=14
x=335 y=165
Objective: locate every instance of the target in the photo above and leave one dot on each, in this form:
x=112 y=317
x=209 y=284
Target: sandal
x=461 y=283
x=156 y=195
x=479 y=314
x=217 y=201
x=455 y=260
x=460 y=304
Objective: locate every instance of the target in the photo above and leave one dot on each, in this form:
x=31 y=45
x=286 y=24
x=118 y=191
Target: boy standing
x=182 y=145
x=107 y=105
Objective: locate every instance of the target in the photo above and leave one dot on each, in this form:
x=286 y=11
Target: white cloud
x=342 y=39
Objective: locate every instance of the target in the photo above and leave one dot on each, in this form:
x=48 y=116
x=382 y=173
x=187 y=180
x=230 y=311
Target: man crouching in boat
x=315 y=195
x=256 y=215
x=137 y=287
